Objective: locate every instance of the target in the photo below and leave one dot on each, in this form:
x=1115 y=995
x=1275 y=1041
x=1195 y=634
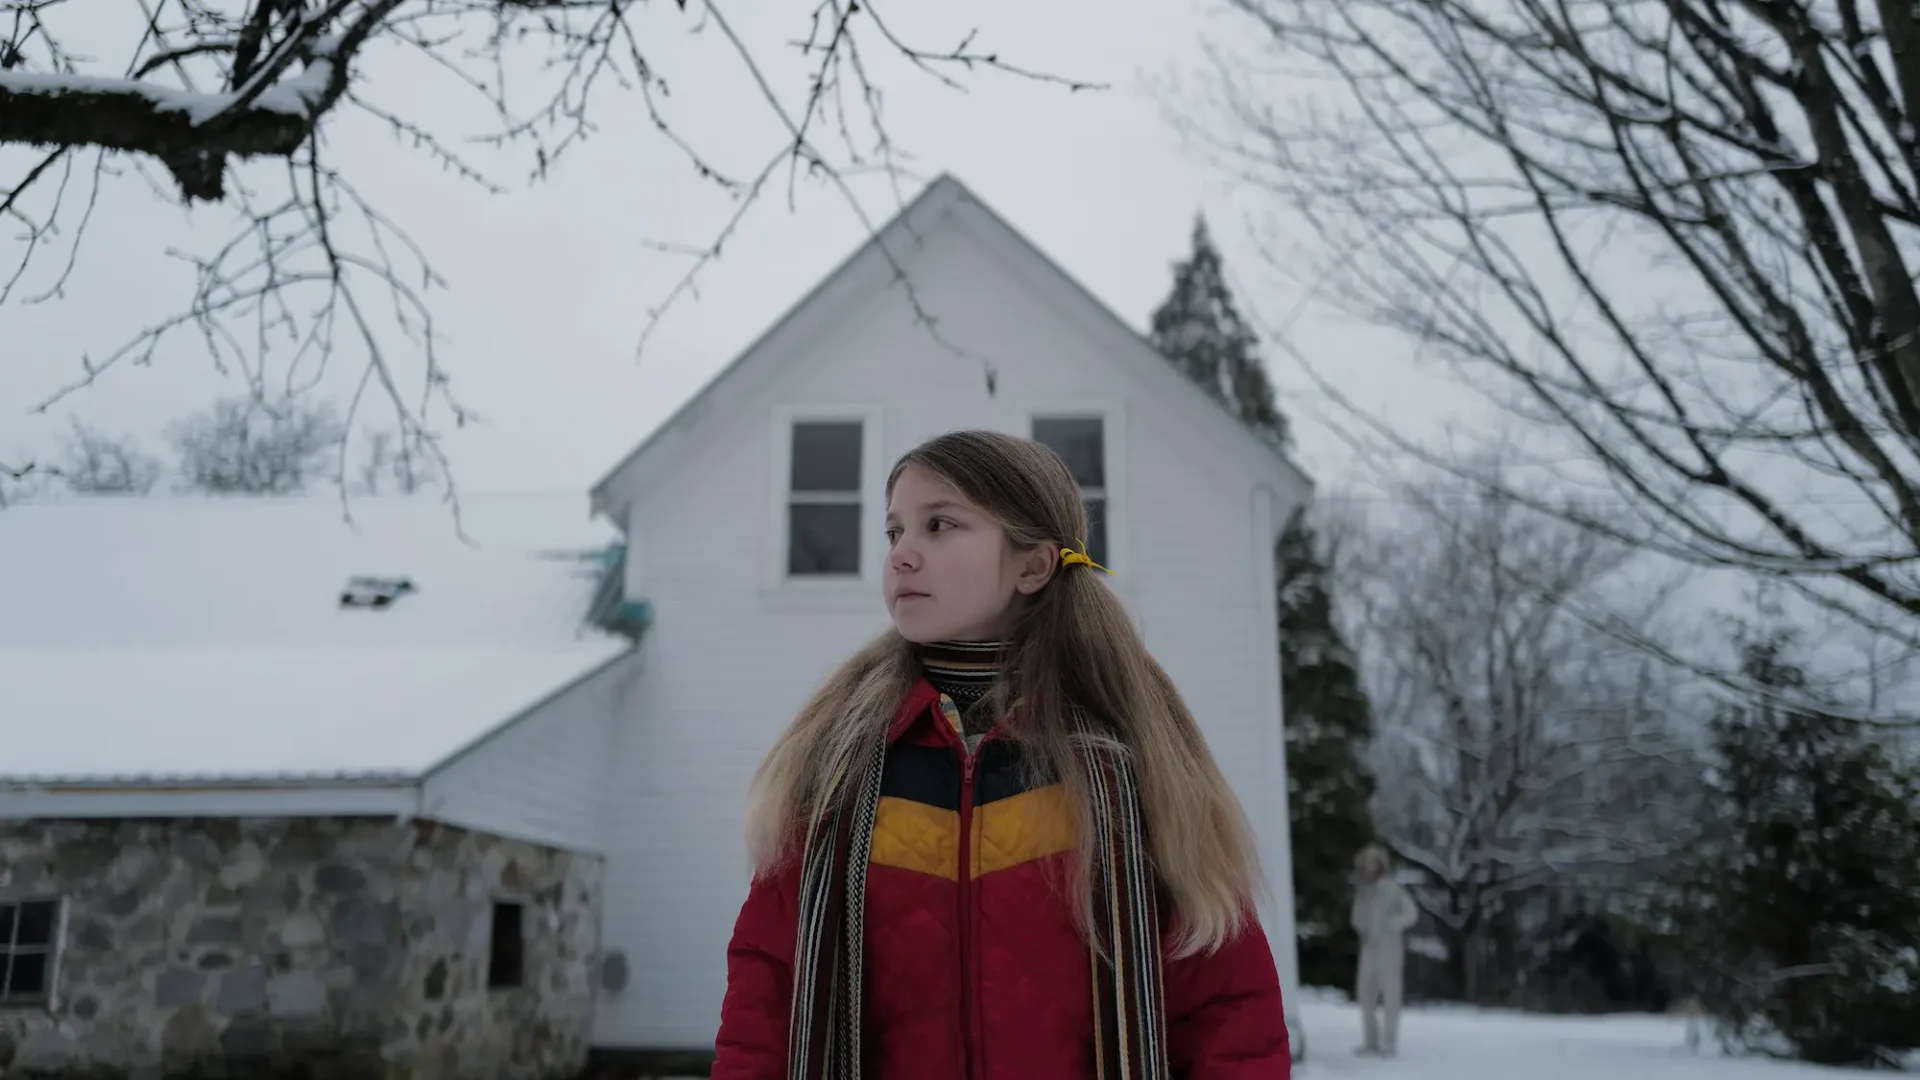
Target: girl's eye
x=935 y=525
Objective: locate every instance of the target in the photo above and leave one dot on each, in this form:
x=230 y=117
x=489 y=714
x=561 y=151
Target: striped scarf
x=1129 y=1019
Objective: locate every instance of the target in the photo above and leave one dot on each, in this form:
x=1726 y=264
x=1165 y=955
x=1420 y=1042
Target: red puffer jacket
x=975 y=970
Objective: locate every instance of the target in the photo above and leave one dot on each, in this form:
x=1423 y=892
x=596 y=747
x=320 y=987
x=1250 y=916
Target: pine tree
x=1328 y=725
x=1201 y=331
x=1802 y=901
x=1326 y=715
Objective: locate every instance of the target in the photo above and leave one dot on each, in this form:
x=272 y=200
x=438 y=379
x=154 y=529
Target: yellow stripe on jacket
x=1007 y=832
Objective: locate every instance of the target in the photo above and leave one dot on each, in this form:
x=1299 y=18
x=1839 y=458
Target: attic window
x=823 y=499
x=1081 y=441
x=374 y=592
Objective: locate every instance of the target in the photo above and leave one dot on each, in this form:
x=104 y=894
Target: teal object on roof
x=631 y=618
x=612 y=611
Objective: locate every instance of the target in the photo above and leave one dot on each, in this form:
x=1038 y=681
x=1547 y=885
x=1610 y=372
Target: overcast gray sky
x=549 y=285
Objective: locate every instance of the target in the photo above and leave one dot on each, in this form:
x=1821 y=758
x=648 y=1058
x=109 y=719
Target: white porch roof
x=167 y=640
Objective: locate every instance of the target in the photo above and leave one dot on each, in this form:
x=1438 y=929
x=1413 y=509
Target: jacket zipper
x=969 y=1028
x=968 y=759
x=966 y=910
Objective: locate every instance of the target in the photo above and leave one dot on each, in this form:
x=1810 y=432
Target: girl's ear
x=1037 y=567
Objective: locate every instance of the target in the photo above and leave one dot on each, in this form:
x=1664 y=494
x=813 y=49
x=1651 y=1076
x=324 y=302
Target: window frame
x=777 y=578
x=56 y=934
x=1112 y=417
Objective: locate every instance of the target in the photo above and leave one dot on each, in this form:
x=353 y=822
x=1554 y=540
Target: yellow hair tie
x=1069 y=557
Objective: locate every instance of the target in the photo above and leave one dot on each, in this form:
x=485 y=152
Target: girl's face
x=951 y=574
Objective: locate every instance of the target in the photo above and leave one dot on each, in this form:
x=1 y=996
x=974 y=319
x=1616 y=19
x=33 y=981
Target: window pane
x=28 y=976
x=1097 y=530
x=823 y=538
x=1080 y=442
x=36 y=924
x=7 y=913
x=826 y=456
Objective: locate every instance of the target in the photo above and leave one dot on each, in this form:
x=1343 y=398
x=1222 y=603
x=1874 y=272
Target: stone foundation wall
x=460 y=1028
x=316 y=947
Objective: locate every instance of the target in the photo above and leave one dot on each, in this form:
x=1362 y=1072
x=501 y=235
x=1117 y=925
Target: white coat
x=1383 y=912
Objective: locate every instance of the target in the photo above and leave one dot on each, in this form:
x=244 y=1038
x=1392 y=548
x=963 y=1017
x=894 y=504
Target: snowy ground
x=1464 y=1044
x=1448 y=1043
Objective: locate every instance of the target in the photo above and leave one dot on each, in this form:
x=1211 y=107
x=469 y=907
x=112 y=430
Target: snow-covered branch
x=312 y=269
x=1519 y=751
x=266 y=109
x=193 y=135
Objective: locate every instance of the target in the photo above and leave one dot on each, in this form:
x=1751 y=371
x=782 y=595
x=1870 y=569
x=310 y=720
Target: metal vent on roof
x=374 y=592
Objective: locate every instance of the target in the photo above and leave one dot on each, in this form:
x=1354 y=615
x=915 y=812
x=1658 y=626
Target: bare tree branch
x=1679 y=235
x=235 y=102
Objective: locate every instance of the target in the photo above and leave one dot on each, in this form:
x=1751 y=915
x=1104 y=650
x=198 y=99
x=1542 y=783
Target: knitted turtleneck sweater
x=964 y=671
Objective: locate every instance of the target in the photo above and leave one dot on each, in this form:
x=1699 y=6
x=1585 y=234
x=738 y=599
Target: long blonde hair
x=1073 y=645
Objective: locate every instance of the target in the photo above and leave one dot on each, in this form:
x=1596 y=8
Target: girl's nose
x=905 y=554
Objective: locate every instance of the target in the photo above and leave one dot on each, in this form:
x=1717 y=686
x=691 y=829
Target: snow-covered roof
x=165 y=638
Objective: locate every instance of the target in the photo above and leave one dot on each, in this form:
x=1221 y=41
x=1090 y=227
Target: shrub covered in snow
x=1802 y=907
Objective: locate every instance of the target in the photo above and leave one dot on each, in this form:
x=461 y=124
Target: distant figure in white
x=1383 y=912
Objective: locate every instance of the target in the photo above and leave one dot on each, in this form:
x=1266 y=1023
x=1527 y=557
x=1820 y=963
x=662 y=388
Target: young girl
x=994 y=845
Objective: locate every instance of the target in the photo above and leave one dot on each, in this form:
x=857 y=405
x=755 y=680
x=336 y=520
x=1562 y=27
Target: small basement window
x=374 y=592
x=26 y=951
x=506 y=956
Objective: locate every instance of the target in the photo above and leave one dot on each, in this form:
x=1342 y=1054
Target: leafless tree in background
x=91 y=462
x=391 y=463
x=313 y=270
x=1520 y=750
x=244 y=446
x=1678 y=233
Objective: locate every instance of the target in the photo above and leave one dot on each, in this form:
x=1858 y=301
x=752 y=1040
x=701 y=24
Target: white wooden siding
x=542 y=778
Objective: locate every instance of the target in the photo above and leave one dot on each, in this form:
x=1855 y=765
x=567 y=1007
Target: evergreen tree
x=1201 y=331
x=1327 y=719
x=1328 y=725
x=1802 y=903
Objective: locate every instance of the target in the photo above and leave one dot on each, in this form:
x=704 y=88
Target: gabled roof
x=943 y=193
x=144 y=639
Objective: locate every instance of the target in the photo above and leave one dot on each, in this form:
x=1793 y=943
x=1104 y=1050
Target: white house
x=557 y=721
x=753 y=521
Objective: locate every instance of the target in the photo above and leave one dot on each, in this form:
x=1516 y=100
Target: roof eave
x=1289 y=469
x=478 y=742
x=384 y=792
x=941 y=190
x=235 y=796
